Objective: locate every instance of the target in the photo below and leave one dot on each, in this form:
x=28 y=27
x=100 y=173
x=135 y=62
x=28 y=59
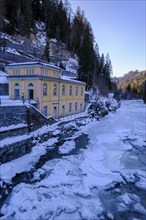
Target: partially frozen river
x=105 y=180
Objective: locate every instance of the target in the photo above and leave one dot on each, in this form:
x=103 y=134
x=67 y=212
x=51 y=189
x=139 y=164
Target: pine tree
x=86 y=57
x=96 y=66
x=37 y=10
x=49 y=11
x=47 y=51
x=77 y=31
x=2 y=14
x=28 y=15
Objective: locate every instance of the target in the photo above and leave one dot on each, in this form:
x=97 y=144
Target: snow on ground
x=105 y=181
x=67 y=147
x=71 y=65
x=6 y=101
x=12 y=50
x=3 y=77
x=21 y=125
x=14 y=40
x=10 y=169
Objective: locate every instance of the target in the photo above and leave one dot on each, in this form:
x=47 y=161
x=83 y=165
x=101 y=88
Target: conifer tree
x=2 y=14
x=47 y=51
x=86 y=56
x=37 y=10
x=49 y=10
x=77 y=31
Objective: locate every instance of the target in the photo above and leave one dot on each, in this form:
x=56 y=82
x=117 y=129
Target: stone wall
x=14 y=132
x=12 y=115
x=12 y=151
x=18 y=121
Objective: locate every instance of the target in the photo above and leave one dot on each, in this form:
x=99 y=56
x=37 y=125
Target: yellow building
x=56 y=95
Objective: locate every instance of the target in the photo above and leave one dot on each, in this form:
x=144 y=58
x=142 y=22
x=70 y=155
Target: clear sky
x=119 y=29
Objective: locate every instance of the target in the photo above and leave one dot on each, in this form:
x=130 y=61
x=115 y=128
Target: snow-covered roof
x=66 y=78
x=34 y=63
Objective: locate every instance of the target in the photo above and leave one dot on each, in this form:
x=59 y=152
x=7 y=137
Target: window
x=55 y=89
x=30 y=71
x=70 y=107
x=76 y=106
x=63 y=89
x=70 y=90
x=46 y=110
x=81 y=91
x=45 y=89
x=55 y=74
x=45 y=72
x=16 y=71
x=80 y=107
x=76 y=90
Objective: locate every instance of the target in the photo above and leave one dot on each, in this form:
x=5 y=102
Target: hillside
x=20 y=49
x=132 y=82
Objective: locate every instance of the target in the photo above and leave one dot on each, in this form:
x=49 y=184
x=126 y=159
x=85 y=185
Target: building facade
x=55 y=95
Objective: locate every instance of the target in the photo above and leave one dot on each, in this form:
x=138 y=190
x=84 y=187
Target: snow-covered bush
x=100 y=106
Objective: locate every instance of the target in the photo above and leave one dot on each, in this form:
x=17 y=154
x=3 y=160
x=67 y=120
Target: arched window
x=30 y=91
x=63 y=89
x=55 y=89
x=16 y=91
x=45 y=89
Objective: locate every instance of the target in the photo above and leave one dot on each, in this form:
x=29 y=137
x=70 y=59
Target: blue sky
x=119 y=29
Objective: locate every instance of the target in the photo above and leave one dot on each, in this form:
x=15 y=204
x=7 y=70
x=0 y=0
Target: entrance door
x=16 y=91
x=55 y=111
x=63 y=111
x=30 y=91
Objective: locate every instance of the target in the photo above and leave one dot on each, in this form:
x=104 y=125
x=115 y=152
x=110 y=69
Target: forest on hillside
x=133 y=85
x=18 y=18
